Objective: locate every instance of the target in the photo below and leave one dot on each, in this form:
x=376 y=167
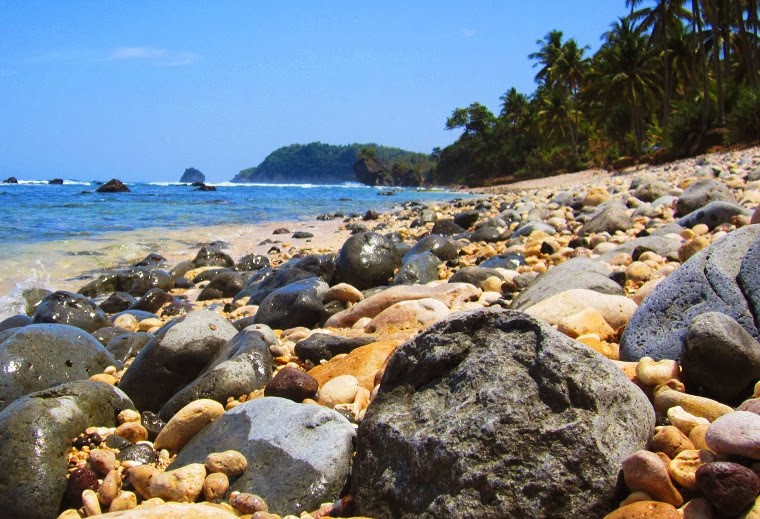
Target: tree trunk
x=665 y=64
x=703 y=65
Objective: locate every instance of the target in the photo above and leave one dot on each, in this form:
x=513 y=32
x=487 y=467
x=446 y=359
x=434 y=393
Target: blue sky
x=140 y=90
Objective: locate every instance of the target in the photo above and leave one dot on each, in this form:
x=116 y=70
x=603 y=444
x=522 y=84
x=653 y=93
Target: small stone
x=697 y=508
x=187 y=423
x=645 y=471
x=686 y=422
x=126 y=322
x=140 y=478
x=110 y=488
x=671 y=441
x=683 y=468
x=104 y=378
x=132 y=431
x=691 y=247
x=671 y=394
x=124 y=501
x=343 y=293
x=645 y=510
x=246 y=503
x=730 y=487
x=140 y=453
x=215 y=486
x=90 y=503
x=339 y=390
x=736 y=433
x=102 y=461
x=128 y=415
x=586 y=321
x=595 y=196
x=80 y=479
x=231 y=463
x=697 y=436
x=654 y=373
x=69 y=514
x=639 y=272
x=184 y=484
x=293 y=384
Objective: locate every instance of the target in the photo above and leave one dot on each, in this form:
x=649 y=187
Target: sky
x=141 y=90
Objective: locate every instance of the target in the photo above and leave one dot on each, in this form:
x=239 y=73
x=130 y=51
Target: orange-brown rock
x=645 y=510
x=363 y=363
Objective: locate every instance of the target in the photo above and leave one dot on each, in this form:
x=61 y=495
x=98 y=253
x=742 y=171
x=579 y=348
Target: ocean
x=58 y=236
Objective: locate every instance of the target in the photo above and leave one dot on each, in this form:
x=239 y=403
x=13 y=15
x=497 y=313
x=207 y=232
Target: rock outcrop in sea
x=192 y=175
x=584 y=346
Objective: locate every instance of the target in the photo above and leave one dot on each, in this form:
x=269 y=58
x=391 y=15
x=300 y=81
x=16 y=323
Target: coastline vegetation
x=672 y=78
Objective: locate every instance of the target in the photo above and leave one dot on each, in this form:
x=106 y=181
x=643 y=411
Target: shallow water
x=59 y=236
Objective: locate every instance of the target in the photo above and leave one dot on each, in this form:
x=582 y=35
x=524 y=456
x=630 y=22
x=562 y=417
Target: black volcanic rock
x=113 y=186
x=192 y=175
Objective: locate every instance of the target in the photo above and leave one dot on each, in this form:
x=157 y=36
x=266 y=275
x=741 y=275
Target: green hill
x=319 y=163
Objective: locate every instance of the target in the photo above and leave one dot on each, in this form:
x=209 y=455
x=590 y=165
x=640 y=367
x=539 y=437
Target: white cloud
x=161 y=57
x=468 y=32
x=137 y=53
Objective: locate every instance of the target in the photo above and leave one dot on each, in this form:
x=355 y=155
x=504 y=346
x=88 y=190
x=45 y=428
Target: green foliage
x=744 y=118
x=319 y=163
x=683 y=133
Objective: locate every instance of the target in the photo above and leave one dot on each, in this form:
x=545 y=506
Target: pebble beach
x=585 y=345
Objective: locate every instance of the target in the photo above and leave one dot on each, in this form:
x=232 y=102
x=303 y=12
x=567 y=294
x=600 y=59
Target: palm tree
x=547 y=56
x=660 y=20
x=625 y=72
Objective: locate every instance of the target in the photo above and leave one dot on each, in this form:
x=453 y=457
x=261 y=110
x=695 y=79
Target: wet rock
x=152 y=301
x=720 y=359
x=117 y=302
x=39 y=356
x=51 y=417
x=466 y=219
x=113 y=186
x=16 y=321
x=175 y=357
x=322 y=346
x=267 y=280
x=293 y=384
x=141 y=453
x=421 y=268
x=487 y=234
x=366 y=260
x=446 y=228
x=442 y=247
x=504 y=261
x=128 y=345
x=212 y=257
x=298 y=455
x=434 y=434
x=73 y=309
x=701 y=193
x=226 y=284
x=252 y=262
x=242 y=365
x=720 y=278
x=297 y=304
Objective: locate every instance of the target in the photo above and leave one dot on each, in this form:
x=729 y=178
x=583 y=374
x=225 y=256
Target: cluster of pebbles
x=585 y=258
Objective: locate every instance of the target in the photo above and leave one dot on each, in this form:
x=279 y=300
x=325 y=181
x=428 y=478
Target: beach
x=582 y=344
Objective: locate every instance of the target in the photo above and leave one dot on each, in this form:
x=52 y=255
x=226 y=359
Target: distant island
x=192 y=175
x=319 y=163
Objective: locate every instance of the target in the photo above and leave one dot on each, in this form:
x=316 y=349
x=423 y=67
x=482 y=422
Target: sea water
x=53 y=234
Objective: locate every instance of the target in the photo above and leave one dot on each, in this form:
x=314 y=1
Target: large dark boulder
x=661 y=245
x=35 y=436
x=152 y=301
x=724 y=277
x=494 y=414
x=212 y=256
x=297 y=304
x=372 y=172
x=113 y=186
x=39 y=356
x=177 y=354
x=128 y=345
x=299 y=455
x=192 y=175
x=242 y=365
x=701 y=193
x=134 y=281
x=366 y=260
x=73 y=309
x=571 y=274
